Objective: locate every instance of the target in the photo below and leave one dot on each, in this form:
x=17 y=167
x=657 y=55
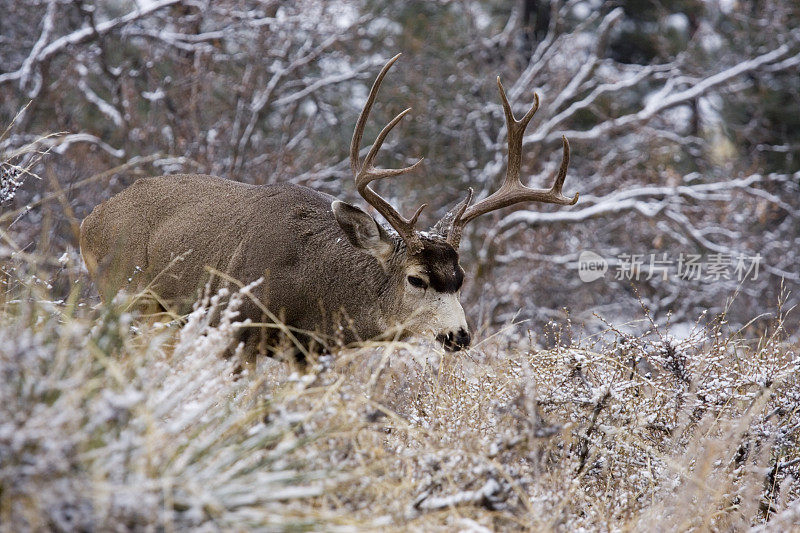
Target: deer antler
x=512 y=191
x=366 y=173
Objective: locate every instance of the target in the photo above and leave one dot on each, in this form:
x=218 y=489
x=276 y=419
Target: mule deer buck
x=330 y=268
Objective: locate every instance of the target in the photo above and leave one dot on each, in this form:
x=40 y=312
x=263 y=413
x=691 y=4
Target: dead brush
x=19 y=163
x=107 y=427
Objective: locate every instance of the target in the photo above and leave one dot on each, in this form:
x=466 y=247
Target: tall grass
x=110 y=423
x=108 y=427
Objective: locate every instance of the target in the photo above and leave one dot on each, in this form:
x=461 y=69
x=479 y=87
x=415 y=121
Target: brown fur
x=314 y=278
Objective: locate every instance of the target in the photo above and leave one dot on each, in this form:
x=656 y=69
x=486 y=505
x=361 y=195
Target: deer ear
x=362 y=230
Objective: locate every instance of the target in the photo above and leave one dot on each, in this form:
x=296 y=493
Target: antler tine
x=562 y=170
x=358 y=132
x=523 y=123
x=452 y=218
x=366 y=173
x=512 y=191
x=376 y=146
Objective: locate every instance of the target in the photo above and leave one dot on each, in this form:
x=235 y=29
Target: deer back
x=166 y=234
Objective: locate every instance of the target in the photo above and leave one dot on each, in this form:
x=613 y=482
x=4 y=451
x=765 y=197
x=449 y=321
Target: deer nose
x=463 y=338
x=455 y=341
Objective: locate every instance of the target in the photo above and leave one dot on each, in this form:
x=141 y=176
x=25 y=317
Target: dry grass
x=108 y=424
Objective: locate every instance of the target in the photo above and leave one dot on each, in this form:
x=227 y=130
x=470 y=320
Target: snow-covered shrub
x=106 y=428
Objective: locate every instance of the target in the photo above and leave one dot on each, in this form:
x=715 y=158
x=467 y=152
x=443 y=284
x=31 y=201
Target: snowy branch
x=61 y=144
x=661 y=102
x=104 y=107
x=41 y=53
x=641 y=199
x=434 y=503
x=27 y=66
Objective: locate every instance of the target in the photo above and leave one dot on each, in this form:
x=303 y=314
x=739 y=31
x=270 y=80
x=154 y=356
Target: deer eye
x=417 y=282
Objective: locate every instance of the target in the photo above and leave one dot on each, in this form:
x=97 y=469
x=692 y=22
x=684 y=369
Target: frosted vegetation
x=109 y=426
x=651 y=404
x=680 y=118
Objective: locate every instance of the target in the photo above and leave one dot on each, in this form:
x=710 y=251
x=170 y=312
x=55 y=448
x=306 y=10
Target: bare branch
x=641 y=198
x=27 y=66
x=665 y=101
x=84 y=35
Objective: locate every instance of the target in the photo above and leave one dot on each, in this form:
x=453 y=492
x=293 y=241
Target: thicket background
x=683 y=118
